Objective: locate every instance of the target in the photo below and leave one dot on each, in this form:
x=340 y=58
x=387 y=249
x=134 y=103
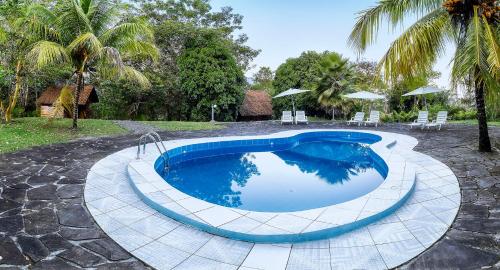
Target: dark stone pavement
x=44 y=223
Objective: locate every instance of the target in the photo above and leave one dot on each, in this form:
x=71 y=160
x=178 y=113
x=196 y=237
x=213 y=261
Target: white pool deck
x=164 y=243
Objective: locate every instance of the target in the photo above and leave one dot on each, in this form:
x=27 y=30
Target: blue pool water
x=310 y=173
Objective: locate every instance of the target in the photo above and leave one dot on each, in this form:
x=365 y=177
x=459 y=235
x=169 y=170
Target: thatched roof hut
x=50 y=95
x=257 y=105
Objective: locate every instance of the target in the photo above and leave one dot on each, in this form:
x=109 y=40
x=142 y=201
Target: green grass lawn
x=474 y=122
x=180 y=126
x=27 y=132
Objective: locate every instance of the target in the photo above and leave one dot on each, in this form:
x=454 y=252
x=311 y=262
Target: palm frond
x=110 y=64
x=491 y=43
x=86 y=43
x=44 y=53
x=471 y=56
x=137 y=49
x=101 y=15
x=133 y=75
x=72 y=19
x=130 y=30
x=369 y=21
x=418 y=47
x=38 y=23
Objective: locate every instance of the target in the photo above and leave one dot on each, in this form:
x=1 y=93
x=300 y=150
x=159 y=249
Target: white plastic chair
x=422 y=120
x=374 y=118
x=301 y=118
x=357 y=119
x=441 y=118
x=286 y=117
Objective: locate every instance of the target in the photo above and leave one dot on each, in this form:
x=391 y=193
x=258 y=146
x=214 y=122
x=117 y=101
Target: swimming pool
x=285 y=187
x=310 y=173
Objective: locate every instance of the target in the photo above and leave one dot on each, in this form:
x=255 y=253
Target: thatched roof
x=50 y=95
x=256 y=103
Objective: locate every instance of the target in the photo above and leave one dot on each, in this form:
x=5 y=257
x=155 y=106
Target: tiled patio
x=44 y=223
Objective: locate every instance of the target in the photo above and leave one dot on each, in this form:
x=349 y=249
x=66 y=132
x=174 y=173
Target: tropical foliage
x=21 y=26
x=94 y=40
x=209 y=74
x=472 y=25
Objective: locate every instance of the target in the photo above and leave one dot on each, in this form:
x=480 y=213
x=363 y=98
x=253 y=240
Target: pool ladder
x=155 y=138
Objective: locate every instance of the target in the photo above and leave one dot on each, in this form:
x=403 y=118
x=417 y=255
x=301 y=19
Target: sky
x=286 y=28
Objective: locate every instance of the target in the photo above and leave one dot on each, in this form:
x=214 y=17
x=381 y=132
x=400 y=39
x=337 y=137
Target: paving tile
x=194 y=205
x=225 y=250
x=217 y=216
x=447 y=216
x=390 y=232
x=268 y=230
x=199 y=263
x=323 y=243
x=396 y=253
x=337 y=216
x=356 y=238
x=185 y=238
x=426 y=230
x=128 y=214
x=242 y=224
x=309 y=259
x=289 y=223
x=107 y=204
x=160 y=256
x=130 y=239
x=154 y=227
x=267 y=257
x=107 y=223
x=366 y=257
x=412 y=211
x=439 y=205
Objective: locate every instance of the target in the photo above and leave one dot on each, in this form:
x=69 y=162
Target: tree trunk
x=13 y=98
x=79 y=87
x=484 y=138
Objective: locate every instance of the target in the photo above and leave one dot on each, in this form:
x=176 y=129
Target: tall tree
x=209 y=74
x=337 y=77
x=472 y=25
x=263 y=80
x=189 y=14
x=21 y=26
x=95 y=41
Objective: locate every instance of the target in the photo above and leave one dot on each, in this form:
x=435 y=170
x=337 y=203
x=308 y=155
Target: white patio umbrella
x=291 y=92
x=423 y=91
x=365 y=95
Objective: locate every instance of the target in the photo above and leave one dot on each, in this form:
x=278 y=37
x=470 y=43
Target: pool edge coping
x=189 y=210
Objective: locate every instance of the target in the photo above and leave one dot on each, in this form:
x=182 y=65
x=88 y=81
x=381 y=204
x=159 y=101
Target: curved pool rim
x=290 y=227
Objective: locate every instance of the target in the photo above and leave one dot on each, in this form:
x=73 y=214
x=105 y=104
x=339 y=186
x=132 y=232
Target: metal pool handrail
x=155 y=138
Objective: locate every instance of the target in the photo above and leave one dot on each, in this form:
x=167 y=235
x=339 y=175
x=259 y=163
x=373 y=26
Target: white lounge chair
x=441 y=118
x=422 y=120
x=374 y=118
x=357 y=119
x=287 y=117
x=300 y=118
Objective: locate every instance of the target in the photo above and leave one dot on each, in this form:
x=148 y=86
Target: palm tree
x=472 y=25
x=21 y=26
x=94 y=41
x=336 y=77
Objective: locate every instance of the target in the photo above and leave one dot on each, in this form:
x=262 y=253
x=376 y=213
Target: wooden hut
x=50 y=95
x=257 y=105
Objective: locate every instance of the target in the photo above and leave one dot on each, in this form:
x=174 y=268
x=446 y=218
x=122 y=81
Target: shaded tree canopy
x=209 y=74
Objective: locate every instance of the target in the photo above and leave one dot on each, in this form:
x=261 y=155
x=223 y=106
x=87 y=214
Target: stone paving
x=45 y=225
